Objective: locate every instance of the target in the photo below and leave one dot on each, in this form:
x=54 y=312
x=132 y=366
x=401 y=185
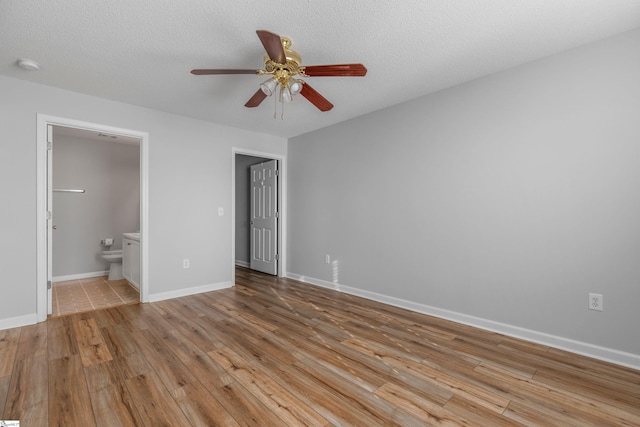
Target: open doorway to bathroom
x=92 y=193
x=95 y=201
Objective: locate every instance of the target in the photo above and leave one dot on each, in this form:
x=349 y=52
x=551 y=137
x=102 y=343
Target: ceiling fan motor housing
x=290 y=68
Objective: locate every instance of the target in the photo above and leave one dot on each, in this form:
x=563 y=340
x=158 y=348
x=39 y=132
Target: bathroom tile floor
x=77 y=296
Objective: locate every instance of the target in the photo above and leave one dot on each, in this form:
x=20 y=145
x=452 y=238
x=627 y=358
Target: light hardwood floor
x=275 y=352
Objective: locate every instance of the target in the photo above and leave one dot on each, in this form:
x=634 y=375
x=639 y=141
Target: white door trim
x=282 y=204
x=43 y=121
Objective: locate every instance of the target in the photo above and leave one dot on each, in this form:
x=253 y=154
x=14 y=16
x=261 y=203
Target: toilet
x=115 y=263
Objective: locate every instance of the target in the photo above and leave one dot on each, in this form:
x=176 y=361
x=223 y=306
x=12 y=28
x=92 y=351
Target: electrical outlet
x=186 y=263
x=596 y=302
x=327 y=259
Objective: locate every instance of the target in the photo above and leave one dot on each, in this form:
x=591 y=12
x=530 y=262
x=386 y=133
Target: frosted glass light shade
x=295 y=86
x=268 y=86
x=285 y=95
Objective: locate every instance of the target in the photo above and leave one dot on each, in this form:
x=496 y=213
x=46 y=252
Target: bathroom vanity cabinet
x=131 y=258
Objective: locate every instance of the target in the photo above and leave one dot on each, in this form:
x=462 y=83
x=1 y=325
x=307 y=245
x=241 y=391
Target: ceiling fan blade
x=201 y=72
x=256 y=99
x=346 y=70
x=315 y=98
x=273 y=45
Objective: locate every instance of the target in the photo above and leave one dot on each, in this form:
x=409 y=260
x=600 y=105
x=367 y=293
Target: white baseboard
x=189 y=291
x=56 y=279
x=591 y=350
x=243 y=264
x=16 y=322
x=32 y=319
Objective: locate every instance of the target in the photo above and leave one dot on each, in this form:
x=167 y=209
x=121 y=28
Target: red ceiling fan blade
x=346 y=70
x=315 y=98
x=201 y=72
x=256 y=99
x=273 y=45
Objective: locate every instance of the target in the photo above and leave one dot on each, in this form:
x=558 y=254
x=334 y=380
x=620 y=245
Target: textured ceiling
x=140 y=52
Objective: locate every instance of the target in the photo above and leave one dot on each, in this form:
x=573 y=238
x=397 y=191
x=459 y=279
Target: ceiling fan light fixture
x=285 y=94
x=295 y=86
x=268 y=86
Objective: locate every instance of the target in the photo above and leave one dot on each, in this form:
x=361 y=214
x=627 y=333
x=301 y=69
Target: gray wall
x=189 y=178
x=109 y=172
x=508 y=198
x=243 y=201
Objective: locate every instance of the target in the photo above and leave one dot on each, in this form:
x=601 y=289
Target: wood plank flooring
x=273 y=351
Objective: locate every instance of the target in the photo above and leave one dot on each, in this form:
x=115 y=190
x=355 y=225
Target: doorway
x=95 y=200
x=242 y=160
x=46 y=216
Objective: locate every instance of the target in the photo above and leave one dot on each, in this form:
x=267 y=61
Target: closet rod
x=64 y=190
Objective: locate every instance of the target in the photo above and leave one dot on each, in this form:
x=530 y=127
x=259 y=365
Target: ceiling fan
x=285 y=66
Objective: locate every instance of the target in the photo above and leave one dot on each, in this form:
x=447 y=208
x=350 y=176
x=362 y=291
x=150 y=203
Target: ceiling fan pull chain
x=275 y=108
x=282 y=111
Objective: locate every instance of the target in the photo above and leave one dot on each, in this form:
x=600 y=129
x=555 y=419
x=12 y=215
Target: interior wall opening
x=96 y=218
x=89 y=231
x=242 y=162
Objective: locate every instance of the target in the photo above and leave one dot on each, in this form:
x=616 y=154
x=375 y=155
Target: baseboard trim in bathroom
x=66 y=278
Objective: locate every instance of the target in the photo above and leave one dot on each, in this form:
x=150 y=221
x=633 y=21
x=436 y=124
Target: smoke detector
x=28 y=64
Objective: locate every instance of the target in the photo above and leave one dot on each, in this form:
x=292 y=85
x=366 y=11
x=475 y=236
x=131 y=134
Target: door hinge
x=277 y=172
x=277 y=257
x=49 y=146
x=277 y=214
x=48 y=215
x=48 y=284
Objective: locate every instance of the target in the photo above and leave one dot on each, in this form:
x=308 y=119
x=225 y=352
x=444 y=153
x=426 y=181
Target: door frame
x=282 y=204
x=42 y=223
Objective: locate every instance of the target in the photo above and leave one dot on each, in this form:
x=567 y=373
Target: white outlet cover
x=596 y=302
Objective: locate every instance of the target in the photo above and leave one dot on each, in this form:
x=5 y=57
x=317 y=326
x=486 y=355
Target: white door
x=49 y=217
x=264 y=217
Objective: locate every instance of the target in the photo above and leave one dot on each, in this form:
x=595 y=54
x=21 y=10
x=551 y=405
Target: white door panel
x=264 y=217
